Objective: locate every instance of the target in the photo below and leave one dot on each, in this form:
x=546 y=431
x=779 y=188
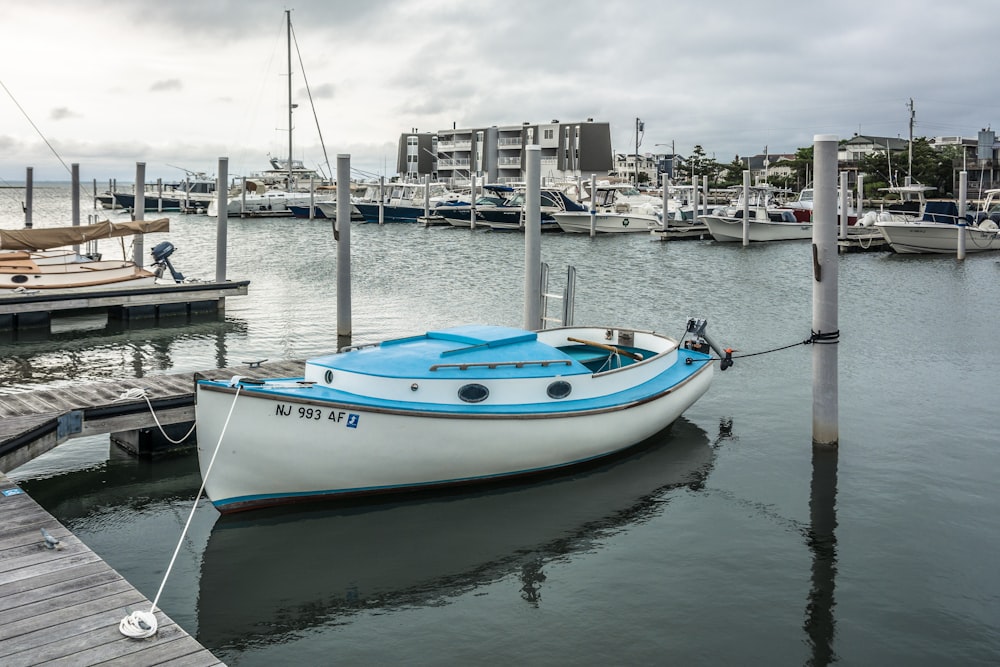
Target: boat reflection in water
x=269 y=573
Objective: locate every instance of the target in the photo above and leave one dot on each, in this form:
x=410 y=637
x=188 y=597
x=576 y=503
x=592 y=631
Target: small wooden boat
x=28 y=274
x=451 y=407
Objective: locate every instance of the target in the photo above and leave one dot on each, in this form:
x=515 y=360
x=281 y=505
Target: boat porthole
x=328 y=377
x=559 y=389
x=18 y=279
x=473 y=393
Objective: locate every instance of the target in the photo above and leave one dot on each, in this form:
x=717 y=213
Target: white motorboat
x=764 y=225
x=936 y=229
x=447 y=408
x=605 y=222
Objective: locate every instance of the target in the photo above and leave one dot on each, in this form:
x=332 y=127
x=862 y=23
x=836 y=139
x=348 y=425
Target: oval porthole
x=328 y=377
x=19 y=278
x=559 y=389
x=473 y=393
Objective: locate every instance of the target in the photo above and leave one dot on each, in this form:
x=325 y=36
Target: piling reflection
x=822 y=540
x=267 y=575
x=113 y=348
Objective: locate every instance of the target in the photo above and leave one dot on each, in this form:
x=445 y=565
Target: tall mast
x=288 y=21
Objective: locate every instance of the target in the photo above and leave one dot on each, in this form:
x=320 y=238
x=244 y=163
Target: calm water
x=722 y=541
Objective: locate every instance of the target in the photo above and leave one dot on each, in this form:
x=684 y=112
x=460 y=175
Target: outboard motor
x=161 y=257
x=696 y=339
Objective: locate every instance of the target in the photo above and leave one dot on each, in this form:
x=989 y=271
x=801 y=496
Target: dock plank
x=63 y=606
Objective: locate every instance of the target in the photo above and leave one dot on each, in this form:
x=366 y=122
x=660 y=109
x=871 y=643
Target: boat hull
x=343 y=450
x=941 y=238
x=730 y=230
x=578 y=222
x=73 y=275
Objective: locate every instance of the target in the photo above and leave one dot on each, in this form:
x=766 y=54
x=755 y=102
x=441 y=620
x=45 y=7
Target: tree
x=702 y=165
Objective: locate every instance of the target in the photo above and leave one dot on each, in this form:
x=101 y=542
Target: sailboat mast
x=288 y=23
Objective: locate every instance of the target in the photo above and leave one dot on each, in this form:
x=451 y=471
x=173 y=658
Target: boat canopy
x=55 y=237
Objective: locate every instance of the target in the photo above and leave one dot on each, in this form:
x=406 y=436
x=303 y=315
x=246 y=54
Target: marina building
x=497 y=153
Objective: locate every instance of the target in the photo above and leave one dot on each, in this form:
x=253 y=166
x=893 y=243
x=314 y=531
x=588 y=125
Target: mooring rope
x=142 y=624
x=139 y=392
x=831 y=337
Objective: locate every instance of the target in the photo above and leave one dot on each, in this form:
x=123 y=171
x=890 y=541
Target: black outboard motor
x=161 y=254
x=695 y=338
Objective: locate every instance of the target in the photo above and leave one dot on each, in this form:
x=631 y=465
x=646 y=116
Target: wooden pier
x=32 y=423
x=63 y=605
x=35 y=308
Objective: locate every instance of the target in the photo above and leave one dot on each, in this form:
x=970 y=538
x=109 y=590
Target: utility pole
x=639 y=127
x=909 y=166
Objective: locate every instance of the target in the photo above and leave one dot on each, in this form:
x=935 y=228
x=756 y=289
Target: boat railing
x=498 y=364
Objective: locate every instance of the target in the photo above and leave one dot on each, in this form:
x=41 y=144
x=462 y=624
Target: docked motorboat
x=615 y=209
x=450 y=407
x=935 y=228
x=765 y=224
x=405 y=202
x=510 y=217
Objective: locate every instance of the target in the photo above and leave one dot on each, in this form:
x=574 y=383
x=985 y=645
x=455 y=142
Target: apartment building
x=497 y=153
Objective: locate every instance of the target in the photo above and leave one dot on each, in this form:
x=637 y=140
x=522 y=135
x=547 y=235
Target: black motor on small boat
x=161 y=253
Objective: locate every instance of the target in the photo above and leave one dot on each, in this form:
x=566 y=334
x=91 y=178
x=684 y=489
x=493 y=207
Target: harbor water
x=724 y=540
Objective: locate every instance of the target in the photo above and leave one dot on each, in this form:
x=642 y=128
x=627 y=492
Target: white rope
x=132 y=625
x=139 y=392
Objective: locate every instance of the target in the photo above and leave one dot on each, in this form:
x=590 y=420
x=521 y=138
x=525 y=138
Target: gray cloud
x=166 y=86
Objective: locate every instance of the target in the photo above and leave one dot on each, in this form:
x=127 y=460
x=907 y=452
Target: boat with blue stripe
x=449 y=407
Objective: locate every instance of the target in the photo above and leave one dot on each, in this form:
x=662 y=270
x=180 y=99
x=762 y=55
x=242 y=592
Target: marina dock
x=34 y=308
x=32 y=423
x=64 y=604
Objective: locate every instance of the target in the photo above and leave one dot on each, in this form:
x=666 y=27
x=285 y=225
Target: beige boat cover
x=55 y=237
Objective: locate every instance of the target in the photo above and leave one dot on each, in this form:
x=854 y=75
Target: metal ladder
x=568 y=297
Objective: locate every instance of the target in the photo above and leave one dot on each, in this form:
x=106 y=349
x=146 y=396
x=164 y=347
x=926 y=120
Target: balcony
x=510 y=162
x=509 y=141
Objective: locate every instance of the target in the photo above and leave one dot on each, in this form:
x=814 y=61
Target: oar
x=609 y=348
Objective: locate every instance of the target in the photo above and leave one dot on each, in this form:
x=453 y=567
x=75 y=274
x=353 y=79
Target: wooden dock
x=32 y=423
x=34 y=308
x=62 y=606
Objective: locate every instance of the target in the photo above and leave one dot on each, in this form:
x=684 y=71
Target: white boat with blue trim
x=451 y=407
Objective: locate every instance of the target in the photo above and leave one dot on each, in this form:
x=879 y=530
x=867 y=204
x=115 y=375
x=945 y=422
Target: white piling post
x=704 y=201
x=222 y=223
x=74 y=170
x=243 y=196
x=29 y=195
x=859 y=204
x=825 y=277
x=842 y=204
x=746 y=207
x=533 y=239
x=159 y=195
x=579 y=187
x=472 y=204
x=381 y=200
x=694 y=199
x=666 y=200
x=312 y=198
x=139 y=211
x=427 y=196
x=343 y=223
x=593 y=205
x=963 y=191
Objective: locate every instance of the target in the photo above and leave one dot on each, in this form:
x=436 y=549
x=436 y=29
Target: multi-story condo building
x=568 y=151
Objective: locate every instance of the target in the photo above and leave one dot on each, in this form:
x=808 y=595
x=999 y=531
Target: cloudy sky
x=177 y=84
